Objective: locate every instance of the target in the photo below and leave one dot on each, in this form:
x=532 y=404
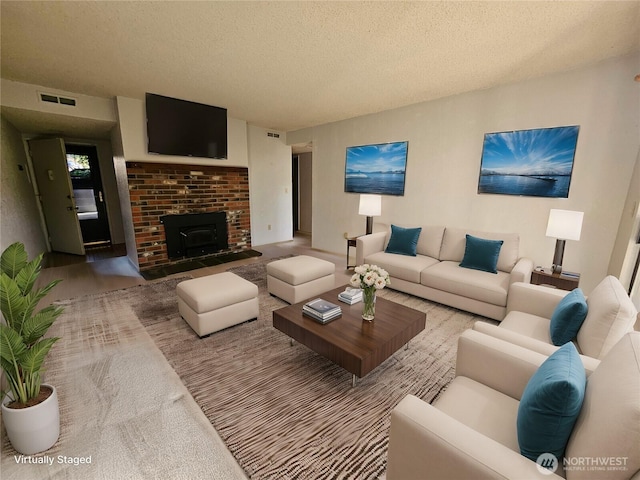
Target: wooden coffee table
x=355 y=345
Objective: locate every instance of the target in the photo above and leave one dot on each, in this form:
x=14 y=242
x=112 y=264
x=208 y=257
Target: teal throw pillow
x=551 y=403
x=568 y=317
x=481 y=254
x=403 y=240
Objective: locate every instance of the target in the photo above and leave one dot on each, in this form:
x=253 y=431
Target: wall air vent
x=50 y=98
x=272 y=134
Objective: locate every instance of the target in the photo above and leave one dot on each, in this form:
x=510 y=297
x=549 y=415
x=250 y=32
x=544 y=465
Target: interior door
x=56 y=195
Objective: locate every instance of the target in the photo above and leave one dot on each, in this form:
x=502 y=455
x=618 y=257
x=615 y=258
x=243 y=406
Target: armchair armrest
x=369 y=244
x=501 y=365
x=534 y=299
x=426 y=443
x=521 y=271
x=529 y=343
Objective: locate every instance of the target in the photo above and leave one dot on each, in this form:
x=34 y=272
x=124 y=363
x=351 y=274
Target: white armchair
x=611 y=314
x=470 y=431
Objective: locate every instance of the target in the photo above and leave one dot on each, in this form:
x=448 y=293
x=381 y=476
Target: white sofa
x=471 y=432
x=435 y=273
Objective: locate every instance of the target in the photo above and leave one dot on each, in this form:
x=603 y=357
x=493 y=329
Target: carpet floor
x=284 y=411
x=124 y=413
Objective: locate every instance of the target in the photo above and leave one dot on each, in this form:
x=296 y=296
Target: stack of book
x=350 y=295
x=321 y=310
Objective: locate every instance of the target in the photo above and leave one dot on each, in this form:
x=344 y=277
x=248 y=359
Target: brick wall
x=158 y=189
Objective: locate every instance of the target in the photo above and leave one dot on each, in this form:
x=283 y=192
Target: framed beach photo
x=535 y=163
x=379 y=169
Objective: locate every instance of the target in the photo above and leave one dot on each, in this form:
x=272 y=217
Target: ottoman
x=298 y=278
x=212 y=303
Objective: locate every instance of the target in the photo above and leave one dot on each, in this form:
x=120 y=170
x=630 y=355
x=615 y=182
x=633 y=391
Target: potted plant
x=29 y=408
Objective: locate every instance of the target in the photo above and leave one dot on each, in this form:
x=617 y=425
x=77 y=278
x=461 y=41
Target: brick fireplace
x=158 y=190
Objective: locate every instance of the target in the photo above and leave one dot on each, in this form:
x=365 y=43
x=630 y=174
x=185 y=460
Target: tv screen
x=378 y=168
x=189 y=129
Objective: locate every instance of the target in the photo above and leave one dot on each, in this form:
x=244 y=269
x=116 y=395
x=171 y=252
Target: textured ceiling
x=289 y=65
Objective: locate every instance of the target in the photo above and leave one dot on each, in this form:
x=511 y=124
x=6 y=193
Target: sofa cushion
x=609 y=423
x=475 y=284
x=611 y=315
x=454 y=242
x=481 y=254
x=551 y=403
x=403 y=241
x=531 y=326
x=481 y=408
x=401 y=266
x=568 y=317
x=430 y=241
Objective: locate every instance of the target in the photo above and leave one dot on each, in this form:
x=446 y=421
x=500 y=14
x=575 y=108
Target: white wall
x=445 y=145
x=120 y=168
x=132 y=119
x=26 y=96
x=270 y=187
x=18 y=210
x=627 y=248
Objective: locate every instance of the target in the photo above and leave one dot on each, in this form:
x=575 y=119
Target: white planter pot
x=33 y=429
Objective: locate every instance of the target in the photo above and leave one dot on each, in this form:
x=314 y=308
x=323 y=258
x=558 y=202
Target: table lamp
x=563 y=225
x=371 y=206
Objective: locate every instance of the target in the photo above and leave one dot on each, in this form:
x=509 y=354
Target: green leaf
x=12 y=346
x=12 y=303
x=33 y=298
x=35 y=327
x=13 y=259
x=12 y=349
x=32 y=359
x=28 y=275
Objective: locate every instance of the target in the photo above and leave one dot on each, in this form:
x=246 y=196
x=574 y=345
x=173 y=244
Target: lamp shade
x=565 y=224
x=370 y=205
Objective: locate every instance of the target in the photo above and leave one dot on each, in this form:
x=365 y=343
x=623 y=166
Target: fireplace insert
x=195 y=234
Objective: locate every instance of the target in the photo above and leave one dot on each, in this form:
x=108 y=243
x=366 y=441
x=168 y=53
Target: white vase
x=33 y=429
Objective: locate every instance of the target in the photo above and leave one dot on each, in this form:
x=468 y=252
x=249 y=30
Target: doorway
x=302 y=193
x=86 y=182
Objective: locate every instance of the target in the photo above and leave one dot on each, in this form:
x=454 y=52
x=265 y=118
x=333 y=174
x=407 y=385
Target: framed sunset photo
x=535 y=163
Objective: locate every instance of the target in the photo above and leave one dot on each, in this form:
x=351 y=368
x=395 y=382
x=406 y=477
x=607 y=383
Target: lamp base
x=557 y=256
x=369 y=225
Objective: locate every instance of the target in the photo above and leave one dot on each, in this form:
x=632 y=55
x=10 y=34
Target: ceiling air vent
x=50 y=98
x=272 y=134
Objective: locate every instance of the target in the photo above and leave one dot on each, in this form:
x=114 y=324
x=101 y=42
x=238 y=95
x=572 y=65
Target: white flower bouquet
x=369 y=278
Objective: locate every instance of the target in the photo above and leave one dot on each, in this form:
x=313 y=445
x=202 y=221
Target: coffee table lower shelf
x=350 y=342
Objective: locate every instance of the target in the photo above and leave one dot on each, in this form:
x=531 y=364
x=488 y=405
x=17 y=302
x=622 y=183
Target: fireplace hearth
x=195 y=234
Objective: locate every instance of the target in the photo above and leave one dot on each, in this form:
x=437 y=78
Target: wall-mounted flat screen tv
x=534 y=163
x=379 y=168
x=189 y=129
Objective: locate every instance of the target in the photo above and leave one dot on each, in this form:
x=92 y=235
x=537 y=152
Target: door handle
x=100 y=196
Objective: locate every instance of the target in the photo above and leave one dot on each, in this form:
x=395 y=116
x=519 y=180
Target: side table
x=557 y=280
x=351 y=242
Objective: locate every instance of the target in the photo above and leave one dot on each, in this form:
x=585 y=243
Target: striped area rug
x=286 y=412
